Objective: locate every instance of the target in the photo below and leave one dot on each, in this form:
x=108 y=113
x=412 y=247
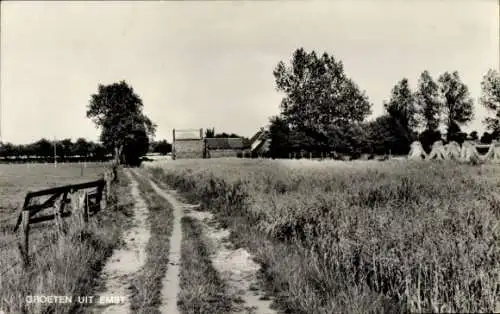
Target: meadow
x=58 y=265
x=358 y=237
x=17 y=179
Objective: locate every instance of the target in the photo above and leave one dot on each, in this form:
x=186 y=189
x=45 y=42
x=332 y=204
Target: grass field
x=66 y=266
x=17 y=179
x=358 y=237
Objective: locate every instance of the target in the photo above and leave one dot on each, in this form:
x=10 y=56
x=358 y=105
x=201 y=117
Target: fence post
x=108 y=184
x=84 y=208
x=115 y=173
x=59 y=207
x=80 y=208
x=24 y=244
x=104 y=194
x=75 y=207
x=99 y=196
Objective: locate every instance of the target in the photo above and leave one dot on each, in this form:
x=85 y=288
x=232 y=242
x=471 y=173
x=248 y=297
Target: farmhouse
x=188 y=144
x=224 y=147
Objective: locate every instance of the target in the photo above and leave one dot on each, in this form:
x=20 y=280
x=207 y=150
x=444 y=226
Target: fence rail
x=61 y=193
x=85 y=200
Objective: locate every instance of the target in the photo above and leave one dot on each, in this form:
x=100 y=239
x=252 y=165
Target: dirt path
x=236 y=268
x=170 y=284
x=125 y=262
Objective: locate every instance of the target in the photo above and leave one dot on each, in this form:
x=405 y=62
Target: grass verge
x=360 y=238
x=70 y=265
x=202 y=290
x=147 y=285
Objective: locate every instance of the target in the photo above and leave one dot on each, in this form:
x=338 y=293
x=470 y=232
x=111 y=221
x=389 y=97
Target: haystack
x=493 y=153
x=437 y=151
x=452 y=151
x=496 y=152
x=469 y=152
x=489 y=155
x=417 y=152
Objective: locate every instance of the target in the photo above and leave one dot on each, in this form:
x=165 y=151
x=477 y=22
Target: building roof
x=224 y=143
x=256 y=136
x=187 y=134
x=263 y=146
x=260 y=141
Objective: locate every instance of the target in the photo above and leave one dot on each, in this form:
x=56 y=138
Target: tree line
x=44 y=150
x=66 y=150
x=324 y=112
x=126 y=133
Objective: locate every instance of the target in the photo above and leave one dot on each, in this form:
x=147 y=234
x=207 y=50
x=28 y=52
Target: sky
x=209 y=64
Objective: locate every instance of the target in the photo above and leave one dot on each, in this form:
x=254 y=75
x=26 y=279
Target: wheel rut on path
x=171 y=281
x=235 y=266
x=127 y=261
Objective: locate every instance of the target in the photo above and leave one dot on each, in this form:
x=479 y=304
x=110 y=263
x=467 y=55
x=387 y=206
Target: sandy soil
x=125 y=262
x=170 y=287
x=235 y=266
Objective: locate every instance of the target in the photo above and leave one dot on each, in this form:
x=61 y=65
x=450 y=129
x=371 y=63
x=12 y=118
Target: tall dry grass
x=202 y=289
x=64 y=266
x=360 y=237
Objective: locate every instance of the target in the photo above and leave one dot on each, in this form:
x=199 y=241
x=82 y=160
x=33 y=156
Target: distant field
x=358 y=237
x=17 y=179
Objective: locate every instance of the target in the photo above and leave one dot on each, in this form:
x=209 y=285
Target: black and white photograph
x=253 y=157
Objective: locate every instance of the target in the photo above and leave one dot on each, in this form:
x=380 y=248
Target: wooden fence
x=85 y=200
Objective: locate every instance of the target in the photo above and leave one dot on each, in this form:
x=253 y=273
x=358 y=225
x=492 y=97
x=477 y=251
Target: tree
x=490 y=99
x=29 y=150
x=428 y=137
x=379 y=132
x=135 y=146
x=279 y=133
x=226 y=135
x=65 y=147
x=402 y=110
x=97 y=151
x=455 y=133
x=162 y=147
x=44 y=148
x=473 y=136
x=351 y=140
x=210 y=133
x=487 y=138
x=318 y=94
x=81 y=147
x=383 y=135
x=458 y=105
x=428 y=102
x=117 y=111
x=6 y=149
